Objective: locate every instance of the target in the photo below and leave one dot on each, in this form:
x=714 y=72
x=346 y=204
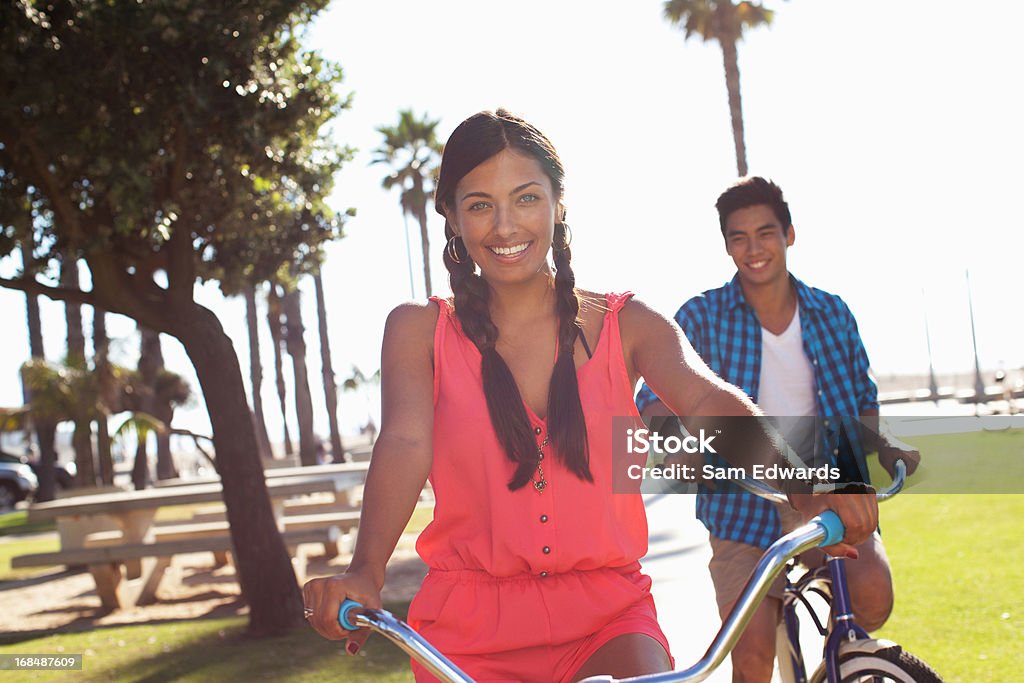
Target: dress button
x=835 y=451
x=544 y=574
x=547 y=549
x=543 y=519
x=536 y=430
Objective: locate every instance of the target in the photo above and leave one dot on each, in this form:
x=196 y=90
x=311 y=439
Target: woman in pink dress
x=503 y=396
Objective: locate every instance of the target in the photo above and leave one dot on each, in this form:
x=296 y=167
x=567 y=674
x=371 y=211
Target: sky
x=893 y=130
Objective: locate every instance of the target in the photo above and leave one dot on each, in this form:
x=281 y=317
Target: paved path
x=677 y=561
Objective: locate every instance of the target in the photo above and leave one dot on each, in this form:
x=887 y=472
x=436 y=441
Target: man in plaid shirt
x=795 y=350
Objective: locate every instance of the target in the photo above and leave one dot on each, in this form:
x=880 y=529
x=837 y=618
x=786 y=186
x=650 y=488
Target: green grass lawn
x=957 y=556
x=17 y=522
x=36 y=544
x=421 y=517
x=970 y=462
x=206 y=650
x=959 y=573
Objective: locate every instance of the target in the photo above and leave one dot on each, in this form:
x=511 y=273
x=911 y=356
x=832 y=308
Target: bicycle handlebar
x=762 y=490
x=402 y=635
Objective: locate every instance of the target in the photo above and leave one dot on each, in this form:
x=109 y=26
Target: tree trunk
x=165 y=467
x=303 y=400
x=44 y=429
x=101 y=347
x=154 y=401
x=421 y=217
x=727 y=30
x=732 y=84
x=104 y=450
x=140 y=468
x=256 y=373
x=264 y=569
x=330 y=386
x=274 y=320
x=151 y=364
x=73 y=314
x=82 y=436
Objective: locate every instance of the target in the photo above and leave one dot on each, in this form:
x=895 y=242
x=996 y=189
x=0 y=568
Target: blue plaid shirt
x=726 y=333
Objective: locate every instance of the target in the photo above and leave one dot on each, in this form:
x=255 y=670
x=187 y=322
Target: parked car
x=17 y=482
x=65 y=472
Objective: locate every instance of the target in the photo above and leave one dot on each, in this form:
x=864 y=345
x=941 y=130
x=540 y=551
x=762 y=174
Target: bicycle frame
x=844 y=628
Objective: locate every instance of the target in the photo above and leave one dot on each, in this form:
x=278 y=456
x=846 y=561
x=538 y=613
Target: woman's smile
x=510 y=253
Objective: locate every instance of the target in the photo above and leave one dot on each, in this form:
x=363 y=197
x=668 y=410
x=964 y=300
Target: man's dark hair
x=753 y=191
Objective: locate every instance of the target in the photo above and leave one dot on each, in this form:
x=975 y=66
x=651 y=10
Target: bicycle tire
x=873 y=661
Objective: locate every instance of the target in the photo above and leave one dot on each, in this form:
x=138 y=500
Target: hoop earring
x=566 y=235
x=452 y=248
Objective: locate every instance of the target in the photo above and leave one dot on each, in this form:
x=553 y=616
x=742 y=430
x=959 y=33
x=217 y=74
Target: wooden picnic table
x=341 y=469
x=133 y=514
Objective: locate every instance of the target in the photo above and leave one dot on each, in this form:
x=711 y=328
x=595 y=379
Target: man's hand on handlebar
x=893 y=451
x=858 y=512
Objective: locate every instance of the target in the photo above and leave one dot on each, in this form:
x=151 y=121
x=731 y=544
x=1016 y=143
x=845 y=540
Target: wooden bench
x=304 y=505
x=344 y=521
x=175 y=532
x=104 y=561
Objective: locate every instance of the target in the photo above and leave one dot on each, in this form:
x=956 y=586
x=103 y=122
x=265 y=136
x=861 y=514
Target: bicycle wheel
x=875 y=661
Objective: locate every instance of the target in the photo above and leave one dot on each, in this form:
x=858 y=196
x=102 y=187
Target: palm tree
x=150 y=362
x=256 y=371
x=412 y=151
x=45 y=429
x=327 y=370
x=82 y=436
x=725 y=22
x=156 y=400
x=277 y=338
x=101 y=348
x=296 y=347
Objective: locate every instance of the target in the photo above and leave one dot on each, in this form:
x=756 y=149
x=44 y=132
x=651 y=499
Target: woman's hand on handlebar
x=324 y=597
x=858 y=512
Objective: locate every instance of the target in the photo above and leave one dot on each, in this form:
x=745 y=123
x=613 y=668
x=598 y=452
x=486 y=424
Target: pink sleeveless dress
x=526 y=585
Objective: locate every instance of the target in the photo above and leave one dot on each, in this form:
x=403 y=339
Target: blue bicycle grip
x=343 y=618
x=833 y=527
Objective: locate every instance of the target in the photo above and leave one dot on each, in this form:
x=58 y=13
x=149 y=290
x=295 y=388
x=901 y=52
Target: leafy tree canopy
x=166 y=135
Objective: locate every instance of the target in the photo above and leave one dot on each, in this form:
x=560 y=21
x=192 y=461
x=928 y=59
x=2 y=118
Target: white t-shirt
x=786 y=387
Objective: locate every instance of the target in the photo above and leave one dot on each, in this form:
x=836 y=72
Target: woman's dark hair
x=753 y=191
x=476 y=140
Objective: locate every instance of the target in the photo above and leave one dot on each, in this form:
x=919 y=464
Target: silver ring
x=307 y=612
